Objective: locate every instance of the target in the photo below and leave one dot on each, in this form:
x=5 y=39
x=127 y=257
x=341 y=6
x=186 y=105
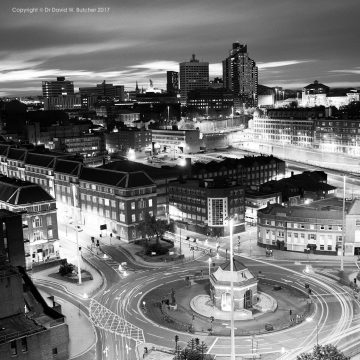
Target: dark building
x=249 y=171
x=172 y=82
x=193 y=75
x=205 y=205
x=211 y=101
x=30 y=329
x=240 y=75
x=57 y=88
x=129 y=138
x=11 y=238
x=301 y=188
x=104 y=90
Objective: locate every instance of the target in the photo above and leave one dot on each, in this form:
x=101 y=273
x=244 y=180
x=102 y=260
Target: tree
x=65 y=268
x=152 y=228
x=323 y=352
x=195 y=351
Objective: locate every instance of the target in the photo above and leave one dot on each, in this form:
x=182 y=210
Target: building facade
x=124 y=139
x=57 y=88
x=212 y=101
x=104 y=90
x=317 y=227
x=39 y=218
x=176 y=141
x=91 y=147
x=172 y=82
x=63 y=102
x=205 y=205
x=194 y=74
x=299 y=132
x=240 y=75
x=116 y=199
x=249 y=171
x=80 y=191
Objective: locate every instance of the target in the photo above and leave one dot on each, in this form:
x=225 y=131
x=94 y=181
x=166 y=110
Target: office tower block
x=172 y=82
x=58 y=87
x=194 y=74
x=240 y=75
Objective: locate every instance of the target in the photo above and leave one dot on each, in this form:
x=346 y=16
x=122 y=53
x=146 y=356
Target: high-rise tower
x=58 y=87
x=172 y=82
x=240 y=74
x=193 y=75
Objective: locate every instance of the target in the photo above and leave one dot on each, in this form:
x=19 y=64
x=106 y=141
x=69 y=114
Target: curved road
x=334 y=318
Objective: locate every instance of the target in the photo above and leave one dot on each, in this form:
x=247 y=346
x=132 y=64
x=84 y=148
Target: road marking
x=160 y=337
x=212 y=345
x=142 y=320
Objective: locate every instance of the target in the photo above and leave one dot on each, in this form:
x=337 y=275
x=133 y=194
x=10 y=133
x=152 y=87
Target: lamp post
x=180 y=240
x=209 y=261
x=232 y=332
x=309 y=319
x=343 y=230
x=78 y=253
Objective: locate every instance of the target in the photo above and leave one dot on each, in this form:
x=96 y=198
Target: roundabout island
x=202 y=304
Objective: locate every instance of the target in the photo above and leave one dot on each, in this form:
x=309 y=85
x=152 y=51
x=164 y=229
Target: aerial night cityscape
x=179 y=180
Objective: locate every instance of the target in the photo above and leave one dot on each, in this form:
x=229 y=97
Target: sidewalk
x=87 y=288
x=81 y=332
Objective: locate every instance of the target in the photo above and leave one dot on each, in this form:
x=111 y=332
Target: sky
x=293 y=42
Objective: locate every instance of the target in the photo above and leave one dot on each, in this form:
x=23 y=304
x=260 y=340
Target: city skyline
x=137 y=41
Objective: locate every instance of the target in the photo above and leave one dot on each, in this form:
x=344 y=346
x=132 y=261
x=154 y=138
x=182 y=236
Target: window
x=133 y=218
x=13 y=348
x=49 y=220
x=50 y=234
x=37 y=222
x=24 y=346
x=329 y=247
x=133 y=206
x=322 y=247
x=113 y=203
x=106 y=202
x=107 y=213
x=54 y=351
x=122 y=217
x=121 y=205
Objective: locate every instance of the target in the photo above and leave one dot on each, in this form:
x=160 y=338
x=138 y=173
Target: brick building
x=206 y=204
x=30 y=329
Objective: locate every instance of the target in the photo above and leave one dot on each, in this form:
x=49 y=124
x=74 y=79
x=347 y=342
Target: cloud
x=274 y=64
x=347 y=71
x=160 y=65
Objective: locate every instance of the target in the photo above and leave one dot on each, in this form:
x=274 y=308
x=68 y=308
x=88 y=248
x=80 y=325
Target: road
x=335 y=313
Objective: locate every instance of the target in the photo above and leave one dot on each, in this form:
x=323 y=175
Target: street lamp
x=232 y=325
x=309 y=319
x=343 y=230
x=209 y=261
x=78 y=253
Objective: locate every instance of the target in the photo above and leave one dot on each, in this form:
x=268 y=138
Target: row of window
x=301 y=225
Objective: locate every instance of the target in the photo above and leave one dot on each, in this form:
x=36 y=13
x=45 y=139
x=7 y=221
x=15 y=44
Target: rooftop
x=116 y=178
x=16 y=326
x=170 y=172
x=18 y=192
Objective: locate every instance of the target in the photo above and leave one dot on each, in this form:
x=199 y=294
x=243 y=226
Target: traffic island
x=285 y=307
